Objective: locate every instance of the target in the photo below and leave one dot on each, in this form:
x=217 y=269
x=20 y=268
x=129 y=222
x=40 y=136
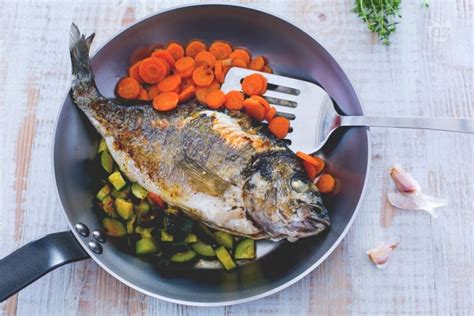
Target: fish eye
x=299 y=185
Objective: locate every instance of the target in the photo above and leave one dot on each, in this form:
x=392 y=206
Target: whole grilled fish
x=218 y=167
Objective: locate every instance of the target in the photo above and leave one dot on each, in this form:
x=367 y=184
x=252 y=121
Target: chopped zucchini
x=124 y=193
x=225 y=258
x=102 y=146
x=142 y=208
x=224 y=239
x=107 y=161
x=144 y=232
x=165 y=236
x=203 y=249
x=145 y=246
x=124 y=208
x=138 y=191
x=131 y=224
x=108 y=206
x=117 y=180
x=183 y=256
x=190 y=238
x=103 y=192
x=113 y=227
x=245 y=249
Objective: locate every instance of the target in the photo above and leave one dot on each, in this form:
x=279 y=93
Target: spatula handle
x=461 y=125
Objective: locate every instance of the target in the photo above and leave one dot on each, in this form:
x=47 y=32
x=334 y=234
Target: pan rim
x=96 y=258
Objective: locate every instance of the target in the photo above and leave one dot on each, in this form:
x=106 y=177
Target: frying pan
x=292 y=52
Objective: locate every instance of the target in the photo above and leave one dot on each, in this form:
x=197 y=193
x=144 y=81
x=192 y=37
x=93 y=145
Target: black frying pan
x=292 y=52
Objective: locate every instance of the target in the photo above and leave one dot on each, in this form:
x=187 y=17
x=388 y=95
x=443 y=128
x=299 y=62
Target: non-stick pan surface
x=291 y=52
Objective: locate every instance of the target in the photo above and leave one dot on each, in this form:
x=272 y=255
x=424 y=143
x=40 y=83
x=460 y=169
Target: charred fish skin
x=218 y=167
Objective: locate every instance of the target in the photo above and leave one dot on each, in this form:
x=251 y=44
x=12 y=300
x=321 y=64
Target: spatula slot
x=286 y=115
x=281 y=102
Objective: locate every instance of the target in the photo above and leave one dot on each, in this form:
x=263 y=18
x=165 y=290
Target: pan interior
x=291 y=52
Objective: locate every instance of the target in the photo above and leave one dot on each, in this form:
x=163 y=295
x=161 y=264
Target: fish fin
x=79 y=47
x=203 y=179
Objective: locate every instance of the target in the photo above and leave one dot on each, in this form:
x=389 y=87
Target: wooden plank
x=428 y=70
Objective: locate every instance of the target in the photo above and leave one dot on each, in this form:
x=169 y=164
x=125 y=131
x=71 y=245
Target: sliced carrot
x=254 y=109
x=254 y=84
x=317 y=162
x=185 y=66
x=175 y=50
x=240 y=53
x=186 y=82
x=205 y=59
x=257 y=63
x=153 y=92
x=238 y=62
x=157 y=200
x=153 y=70
x=161 y=53
x=194 y=47
x=262 y=101
x=187 y=93
x=218 y=71
x=267 y=69
x=310 y=170
x=133 y=72
x=215 y=99
x=203 y=76
x=234 y=100
x=326 y=183
x=220 y=49
x=128 y=88
x=143 y=94
x=279 y=126
x=270 y=114
x=201 y=92
x=166 y=101
x=170 y=83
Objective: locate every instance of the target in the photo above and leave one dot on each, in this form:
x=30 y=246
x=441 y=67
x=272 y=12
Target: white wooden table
x=428 y=71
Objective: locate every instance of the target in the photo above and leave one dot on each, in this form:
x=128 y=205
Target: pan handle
x=35 y=259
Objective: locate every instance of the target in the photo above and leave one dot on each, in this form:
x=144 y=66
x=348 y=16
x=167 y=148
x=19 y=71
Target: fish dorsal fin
x=203 y=179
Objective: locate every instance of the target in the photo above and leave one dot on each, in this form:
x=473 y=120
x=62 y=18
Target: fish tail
x=79 y=46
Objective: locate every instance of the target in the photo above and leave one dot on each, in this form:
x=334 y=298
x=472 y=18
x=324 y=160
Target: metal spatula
x=313 y=115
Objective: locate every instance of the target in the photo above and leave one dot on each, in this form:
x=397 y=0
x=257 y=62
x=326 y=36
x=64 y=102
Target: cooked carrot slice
x=166 y=101
x=240 y=53
x=237 y=62
x=170 y=83
x=133 y=72
x=185 y=66
x=218 y=70
x=203 y=76
x=187 y=93
x=317 y=162
x=254 y=109
x=279 y=126
x=262 y=101
x=254 y=84
x=161 y=53
x=267 y=69
x=201 y=92
x=143 y=94
x=270 y=114
x=157 y=200
x=310 y=170
x=153 y=70
x=215 y=99
x=186 y=82
x=234 y=100
x=128 y=88
x=194 y=48
x=220 y=49
x=257 y=63
x=153 y=92
x=326 y=183
x=175 y=50
x=205 y=59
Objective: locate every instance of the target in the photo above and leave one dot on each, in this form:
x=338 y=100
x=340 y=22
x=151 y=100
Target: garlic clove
x=380 y=254
x=403 y=180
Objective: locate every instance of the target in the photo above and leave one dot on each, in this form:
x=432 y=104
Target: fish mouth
x=314 y=222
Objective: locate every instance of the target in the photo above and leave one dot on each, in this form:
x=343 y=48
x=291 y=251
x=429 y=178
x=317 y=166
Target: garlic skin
x=409 y=195
x=380 y=254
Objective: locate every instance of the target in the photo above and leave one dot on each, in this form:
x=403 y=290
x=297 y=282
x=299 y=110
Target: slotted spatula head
x=300 y=101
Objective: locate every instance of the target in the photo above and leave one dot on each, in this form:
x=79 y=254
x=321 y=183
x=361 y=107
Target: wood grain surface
x=428 y=71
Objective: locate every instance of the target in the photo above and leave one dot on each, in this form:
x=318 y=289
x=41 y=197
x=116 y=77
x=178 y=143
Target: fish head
x=281 y=199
